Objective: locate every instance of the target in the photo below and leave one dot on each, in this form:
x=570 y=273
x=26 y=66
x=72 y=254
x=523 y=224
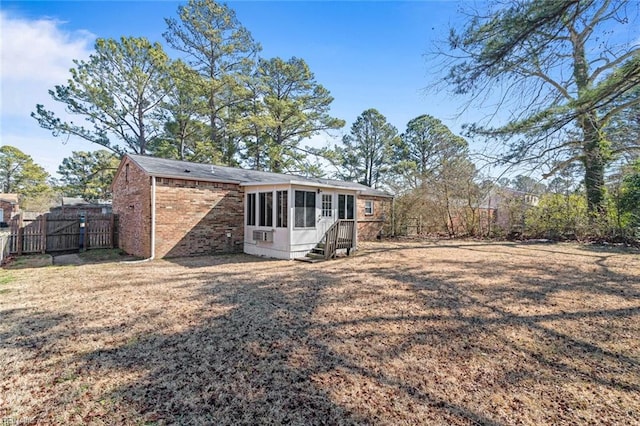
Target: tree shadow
x=32 y=332
x=260 y=359
x=569 y=353
x=354 y=341
x=219 y=260
x=251 y=364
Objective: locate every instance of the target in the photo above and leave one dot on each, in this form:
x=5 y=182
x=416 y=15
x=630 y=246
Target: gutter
x=153 y=218
x=302 y=183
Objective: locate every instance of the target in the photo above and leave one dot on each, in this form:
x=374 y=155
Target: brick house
x=9 y=207
x=170 y=208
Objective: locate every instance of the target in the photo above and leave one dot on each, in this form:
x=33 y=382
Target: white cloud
x=35 y=55
x=39 y=51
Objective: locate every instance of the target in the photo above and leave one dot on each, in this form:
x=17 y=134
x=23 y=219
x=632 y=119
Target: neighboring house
x=503 y=210
x=9 y=207
x=80 y=207
x=170 y=208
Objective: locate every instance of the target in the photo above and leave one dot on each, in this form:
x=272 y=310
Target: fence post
x=85 y=222
x=112 y=227
x=20 y=235
x=43 y=230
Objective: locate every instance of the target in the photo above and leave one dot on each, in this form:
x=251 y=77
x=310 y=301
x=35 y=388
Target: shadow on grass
x=284 y=343
x=479 y=310
x=34 y=332
x=219 y=260
x=261 y=362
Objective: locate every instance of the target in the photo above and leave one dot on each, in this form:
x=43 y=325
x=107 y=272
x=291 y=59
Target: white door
x=327 y=212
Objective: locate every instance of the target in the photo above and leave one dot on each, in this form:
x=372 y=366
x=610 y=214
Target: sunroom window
x=305 y=209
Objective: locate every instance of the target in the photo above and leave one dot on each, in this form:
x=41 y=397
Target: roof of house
x=81 y=202
x=501 y=195
x=162 y=167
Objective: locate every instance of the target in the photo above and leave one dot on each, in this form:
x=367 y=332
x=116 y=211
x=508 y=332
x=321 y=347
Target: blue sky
x=367 y=54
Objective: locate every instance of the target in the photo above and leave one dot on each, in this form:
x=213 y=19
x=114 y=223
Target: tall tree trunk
x=213 y=132
x=142 y=142
x=593 y=157
x=183 y=139
x=594 y=165
x=213 y=115
x=276 y=161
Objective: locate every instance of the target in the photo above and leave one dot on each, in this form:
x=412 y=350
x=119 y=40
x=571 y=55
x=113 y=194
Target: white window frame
x=303 y=209
x=368 y=207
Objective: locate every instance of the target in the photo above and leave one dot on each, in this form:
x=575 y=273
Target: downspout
x=153 y=218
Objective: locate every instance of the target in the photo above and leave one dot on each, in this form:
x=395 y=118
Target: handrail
x=341 y=235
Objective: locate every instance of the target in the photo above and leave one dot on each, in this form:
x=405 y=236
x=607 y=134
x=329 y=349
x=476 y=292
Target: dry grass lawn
x=401 y=333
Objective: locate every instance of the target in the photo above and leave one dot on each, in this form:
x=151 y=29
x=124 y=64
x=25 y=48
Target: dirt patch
x=67 y=259
x=401 y=333
x=29 y=261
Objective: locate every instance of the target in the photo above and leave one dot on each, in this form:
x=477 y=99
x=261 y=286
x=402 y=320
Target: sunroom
x=288 y=220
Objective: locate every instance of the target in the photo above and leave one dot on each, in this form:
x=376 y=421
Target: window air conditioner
x=266 y=236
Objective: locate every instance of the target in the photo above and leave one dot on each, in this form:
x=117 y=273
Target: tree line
x=570 y=90
x=222 y=104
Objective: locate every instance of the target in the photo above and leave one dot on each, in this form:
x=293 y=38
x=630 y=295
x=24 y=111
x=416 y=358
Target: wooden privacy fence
x=47 y=233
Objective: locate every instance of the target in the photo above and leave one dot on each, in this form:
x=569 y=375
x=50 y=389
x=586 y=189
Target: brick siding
x=9 y=210
x=197 y=218
x=371 y=226
x=132 y=204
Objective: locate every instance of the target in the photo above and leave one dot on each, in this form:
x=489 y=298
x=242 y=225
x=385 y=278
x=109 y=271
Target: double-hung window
x=305 y=209
x=368 y=207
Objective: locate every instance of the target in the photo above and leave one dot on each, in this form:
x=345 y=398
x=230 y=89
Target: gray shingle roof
x=162 y=167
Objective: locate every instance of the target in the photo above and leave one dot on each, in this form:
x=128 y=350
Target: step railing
x=341 y=235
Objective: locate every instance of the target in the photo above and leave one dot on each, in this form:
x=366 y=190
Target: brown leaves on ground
x=400 y=333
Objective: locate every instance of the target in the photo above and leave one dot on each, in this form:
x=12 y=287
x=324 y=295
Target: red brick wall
x=196 y=218
x=370 y=226
x=9 y=210
x=132 y=204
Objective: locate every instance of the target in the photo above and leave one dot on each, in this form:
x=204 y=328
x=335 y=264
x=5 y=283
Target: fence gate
x=63 y=233
x=55 y=233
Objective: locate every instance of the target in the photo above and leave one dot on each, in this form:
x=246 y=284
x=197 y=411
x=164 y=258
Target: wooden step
x=309 y=259
x=314 y=255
